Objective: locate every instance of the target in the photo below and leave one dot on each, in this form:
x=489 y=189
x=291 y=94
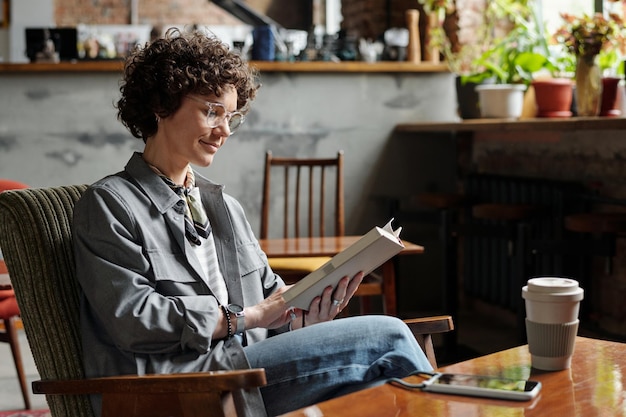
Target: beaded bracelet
x=229 y=324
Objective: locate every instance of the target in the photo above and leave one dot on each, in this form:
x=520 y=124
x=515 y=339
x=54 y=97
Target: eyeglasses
x=216 y=114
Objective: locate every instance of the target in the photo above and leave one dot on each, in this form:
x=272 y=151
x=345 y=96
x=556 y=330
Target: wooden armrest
x=154 y=384
x=430 y=325
x=168 y=395
x=423 y=328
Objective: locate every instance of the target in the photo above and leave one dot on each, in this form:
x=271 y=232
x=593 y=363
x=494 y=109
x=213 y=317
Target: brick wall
x=155 y=12
x=367 y=18
x=292 y=14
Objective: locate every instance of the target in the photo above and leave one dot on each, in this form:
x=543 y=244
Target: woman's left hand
x=332 y=301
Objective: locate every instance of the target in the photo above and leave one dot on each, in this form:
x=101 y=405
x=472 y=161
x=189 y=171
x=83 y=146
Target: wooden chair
x=425 y=327
x=35 y=236
x=311 y=193
x=10 y=313
x=301 y=214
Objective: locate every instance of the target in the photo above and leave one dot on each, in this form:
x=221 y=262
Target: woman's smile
x=210 y=145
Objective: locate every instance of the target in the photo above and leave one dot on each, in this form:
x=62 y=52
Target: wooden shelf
x=501 y=125
x=82 y=66
x=321 y=67
x=349 y=66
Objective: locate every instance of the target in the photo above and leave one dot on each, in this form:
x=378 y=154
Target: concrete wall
x=62 y=129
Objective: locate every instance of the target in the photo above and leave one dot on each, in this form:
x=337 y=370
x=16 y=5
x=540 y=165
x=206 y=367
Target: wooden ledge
x=520 y=125
x=506 y=212
x=596 y=223
x=262 y=66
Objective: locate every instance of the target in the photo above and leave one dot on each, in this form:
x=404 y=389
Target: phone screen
x=483 y=386
x=479 y=381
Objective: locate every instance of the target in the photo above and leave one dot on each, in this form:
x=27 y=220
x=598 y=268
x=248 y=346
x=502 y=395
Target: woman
x=173 y=278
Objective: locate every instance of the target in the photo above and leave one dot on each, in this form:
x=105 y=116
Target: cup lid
x=550 y=287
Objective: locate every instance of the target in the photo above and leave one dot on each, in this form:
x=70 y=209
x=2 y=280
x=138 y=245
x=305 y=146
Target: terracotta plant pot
x=553 y=97
x=610 y=105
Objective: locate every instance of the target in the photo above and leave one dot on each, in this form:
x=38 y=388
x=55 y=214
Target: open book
x=366 y=254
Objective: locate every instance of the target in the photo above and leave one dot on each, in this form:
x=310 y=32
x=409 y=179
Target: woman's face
x=185 y=137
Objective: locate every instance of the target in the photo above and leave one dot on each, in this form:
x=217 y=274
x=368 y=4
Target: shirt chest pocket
x=251 y=258
x=174 y=276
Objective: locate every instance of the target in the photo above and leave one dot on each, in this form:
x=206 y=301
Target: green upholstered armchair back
x=36 y=241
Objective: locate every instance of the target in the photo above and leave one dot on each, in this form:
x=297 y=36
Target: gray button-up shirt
x=146 y=305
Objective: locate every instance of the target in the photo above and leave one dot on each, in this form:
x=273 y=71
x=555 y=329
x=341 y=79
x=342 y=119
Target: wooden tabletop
x=594 y=386
x=319 y=246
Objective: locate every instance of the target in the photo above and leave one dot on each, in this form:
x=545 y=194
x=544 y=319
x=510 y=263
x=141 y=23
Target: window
x=551 y=9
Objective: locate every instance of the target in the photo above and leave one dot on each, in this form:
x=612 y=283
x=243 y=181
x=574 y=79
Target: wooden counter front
x=263 y=66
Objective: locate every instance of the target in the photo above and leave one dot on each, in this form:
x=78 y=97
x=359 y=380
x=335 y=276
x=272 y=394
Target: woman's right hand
x=272 y=312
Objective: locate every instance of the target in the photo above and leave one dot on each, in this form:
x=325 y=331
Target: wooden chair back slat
x=305 y=178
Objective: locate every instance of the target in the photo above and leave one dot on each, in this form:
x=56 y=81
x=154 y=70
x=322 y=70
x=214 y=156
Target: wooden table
x=594 y=386
x=330 y=246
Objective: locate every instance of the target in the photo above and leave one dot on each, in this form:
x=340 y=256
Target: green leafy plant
x=588 y=35
x=609 y=62
x=436 y=5
x=522 y=52
x=591 y=35
x=511 y=44
x=440 y=10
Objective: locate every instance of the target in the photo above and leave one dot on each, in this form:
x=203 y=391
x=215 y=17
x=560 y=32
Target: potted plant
x=612 y=73
x=610 y=60
x=586 y=37
x=511 y=49
x=442 y=38
x=513 y=60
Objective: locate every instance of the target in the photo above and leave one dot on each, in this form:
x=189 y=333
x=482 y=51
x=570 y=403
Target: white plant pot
x=505 y=101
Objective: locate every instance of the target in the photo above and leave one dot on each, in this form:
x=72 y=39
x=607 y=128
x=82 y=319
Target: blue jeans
x=324 y=361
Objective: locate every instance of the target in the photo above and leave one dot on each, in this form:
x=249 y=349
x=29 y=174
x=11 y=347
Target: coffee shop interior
x=493 y=200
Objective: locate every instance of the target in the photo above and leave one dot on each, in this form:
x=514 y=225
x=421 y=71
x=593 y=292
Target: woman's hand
x=332 y=301
x=271 y=313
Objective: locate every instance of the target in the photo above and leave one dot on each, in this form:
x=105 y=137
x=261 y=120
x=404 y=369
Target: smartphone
x=483 y=386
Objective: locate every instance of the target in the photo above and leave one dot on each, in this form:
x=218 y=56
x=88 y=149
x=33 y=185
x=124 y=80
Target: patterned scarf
x=196 y=220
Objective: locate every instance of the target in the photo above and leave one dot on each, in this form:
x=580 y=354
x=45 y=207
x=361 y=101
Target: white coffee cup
x=552 y=307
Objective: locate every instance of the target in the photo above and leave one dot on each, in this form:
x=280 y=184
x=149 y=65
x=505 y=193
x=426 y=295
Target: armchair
x=35 y=236
x=35 y=229
x=10 y=312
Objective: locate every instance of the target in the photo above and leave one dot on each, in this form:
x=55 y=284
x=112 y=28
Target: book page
x=389 y=229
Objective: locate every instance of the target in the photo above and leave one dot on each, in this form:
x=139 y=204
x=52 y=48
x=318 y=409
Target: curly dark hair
x=158 y=76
